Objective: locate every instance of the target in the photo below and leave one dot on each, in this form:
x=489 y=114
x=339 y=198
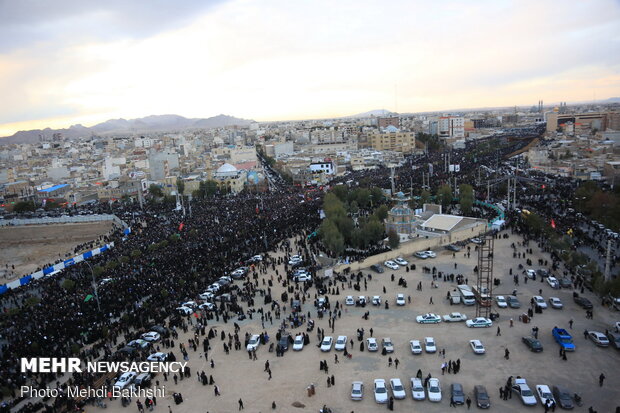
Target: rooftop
x=53 y=188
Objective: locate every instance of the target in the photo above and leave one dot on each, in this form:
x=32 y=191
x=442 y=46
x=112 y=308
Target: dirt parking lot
x=29 y=247
x=239 y=377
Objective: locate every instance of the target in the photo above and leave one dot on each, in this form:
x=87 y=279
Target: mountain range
x=153 y=123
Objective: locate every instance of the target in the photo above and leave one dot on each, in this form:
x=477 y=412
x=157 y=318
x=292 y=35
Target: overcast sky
x=80 y=61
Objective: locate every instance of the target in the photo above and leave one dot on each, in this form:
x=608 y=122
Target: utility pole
x=92 y=273
x=608 y=260
x=514 y=199
x=508 y=194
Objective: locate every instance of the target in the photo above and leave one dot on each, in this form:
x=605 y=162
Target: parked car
x=376 y=300
x=429 y=345
x=207 y=295
x=434 y=390
x=284 y=342
x=401 y=261
x=391 y=265
x=298 y=344
x=513 y=302
x=416 y=348
x=481 y=395
x=253 y=342
x=349 y=300
x=523 y=390
x=341 y=343
x=400 y=299
x=326 y=344
x=530 y=273
x=453 y=248
x=185 y=310
x=479 y=322
x=151 y=336
x=544 y=394
x=614 y=339
x=500 y=301
x=476 y=241
x=582 y=302
x=428 y=318
x=421 y=254
x=381 y=394
x=398 y=391
x=563 y=396
x=539 y=301
x=476 y=346
x=533 y=344
x=598 y=338
x=139 y=344
x=387 y=345
x=357 y=390
x=417 y=389
x=543 y=272
x=142 y=380
x=565 y=282
x=377 y=268
x=556 y=303
x=125 y=380
x=295 y=260
x=371 y=344
x=458 y=396
x=163 y=331
x=430 y=254
x=553 y=282
x=157 y=357
x=452 y=317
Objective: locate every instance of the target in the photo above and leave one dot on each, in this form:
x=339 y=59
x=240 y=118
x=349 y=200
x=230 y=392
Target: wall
x=418 y=244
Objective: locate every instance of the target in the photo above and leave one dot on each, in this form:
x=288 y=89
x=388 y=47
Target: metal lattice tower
x=484 y=280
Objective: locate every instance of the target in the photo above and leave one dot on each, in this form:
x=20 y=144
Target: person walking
x=396 y=363
x=240 y=404
x=506 y=354
x=499 y=333
x=601 y=379
x=570 y=323
x=468 y=402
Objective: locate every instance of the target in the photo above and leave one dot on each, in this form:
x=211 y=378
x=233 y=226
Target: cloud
x=279 y=59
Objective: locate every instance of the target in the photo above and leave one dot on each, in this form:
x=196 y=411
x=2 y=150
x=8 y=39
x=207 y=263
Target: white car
x=476 y=241
x=523 y=390
x=298 y=343
x=238 y=273
x=391 y=264
x=553 y=282
x=500 y=301
x=151 y=336
x=190 y=304
x=381 y=394
x=434 y=390
x=539 y=301
x=326 y=344
x=476 y=346
x=361 y=300
x=295 y=259
x=401 y=261
x=207 y=295
x=454 y=317
x=417 y=389
x=349 y=300
x=125 y=380
x=555 y=302
x=400 y=299
x=544 y=394
x=302 y=277
x=430 y=254
x=598 y=338
x=416 y=348
x=530 y=273
x=398 y=391
x=185 y=310
x=421 y=254
x=376 y=300
x=253 y=343
x=341 y=343
x=256 y=258
x=479 y=322
x=357 y=390
x=428 y=318
x=371 y=344
x=213 y=288
x=429 y=345
x=387 y=345
x=207 y=306
x=157 y=357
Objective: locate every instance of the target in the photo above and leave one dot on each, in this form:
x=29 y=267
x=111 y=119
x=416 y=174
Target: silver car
x=357 y=390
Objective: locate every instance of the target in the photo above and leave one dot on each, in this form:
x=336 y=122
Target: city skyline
x=82 y=62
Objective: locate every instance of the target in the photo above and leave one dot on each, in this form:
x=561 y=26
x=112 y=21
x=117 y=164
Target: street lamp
x=92 y=273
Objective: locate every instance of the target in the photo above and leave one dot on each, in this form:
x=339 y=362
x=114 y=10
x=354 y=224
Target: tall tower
x=484 y=281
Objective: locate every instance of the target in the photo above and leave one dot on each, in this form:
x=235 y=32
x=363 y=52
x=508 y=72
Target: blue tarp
x=25 y=280
x=69 y=262
x=48 y=270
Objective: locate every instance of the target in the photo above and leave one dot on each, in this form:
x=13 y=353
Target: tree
x=24 y=206
x=425 y=197
x=376 y=194
x=373 y=230
x=331 y=237
x=363 y=197
x=444 y=195
x=180 y=186
x=381 y=213
x=353 y=207
x=466 y=198
x=393 y=238
x=341 y=192
x=155 y=191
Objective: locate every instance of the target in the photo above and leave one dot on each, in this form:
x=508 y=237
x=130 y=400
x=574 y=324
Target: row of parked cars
x=362 y=300
x=432 y=392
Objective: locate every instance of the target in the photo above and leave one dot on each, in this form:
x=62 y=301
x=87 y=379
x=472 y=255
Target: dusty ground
x=31 y=246
x=238 y=377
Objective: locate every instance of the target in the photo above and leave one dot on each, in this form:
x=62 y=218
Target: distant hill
x=376 y=113
x=153 y=123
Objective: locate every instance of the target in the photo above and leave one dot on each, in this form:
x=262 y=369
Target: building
x=230 y=177
x=384 y=122
x=452 y=127
x=53 y=193
x=401 y=218
x=393 y=141
x=582 y=123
